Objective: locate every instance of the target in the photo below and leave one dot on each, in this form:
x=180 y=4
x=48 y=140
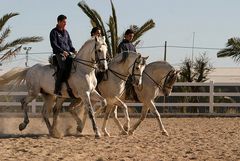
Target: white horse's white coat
x=82 y=81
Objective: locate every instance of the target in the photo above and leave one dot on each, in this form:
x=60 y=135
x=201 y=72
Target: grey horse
x=39 y=79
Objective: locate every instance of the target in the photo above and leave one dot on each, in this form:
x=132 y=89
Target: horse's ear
x=145 y=57
x=177 y=72
x=103 y=37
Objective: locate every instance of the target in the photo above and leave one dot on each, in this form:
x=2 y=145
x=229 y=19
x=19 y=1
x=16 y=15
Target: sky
x=207 y=24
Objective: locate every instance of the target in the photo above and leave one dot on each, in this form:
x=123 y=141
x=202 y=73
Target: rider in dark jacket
x=61 y=45
x=126 y=44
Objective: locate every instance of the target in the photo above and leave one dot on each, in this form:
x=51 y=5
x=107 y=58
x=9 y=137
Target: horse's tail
x=16 y=76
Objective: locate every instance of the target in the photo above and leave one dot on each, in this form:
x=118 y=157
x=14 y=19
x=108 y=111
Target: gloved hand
x=65 y=54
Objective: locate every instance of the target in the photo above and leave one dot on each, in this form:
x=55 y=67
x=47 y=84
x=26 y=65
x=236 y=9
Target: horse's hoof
x=124 y=132
x=56 y=134
x=97 y=136
x=106 y=134
x=126 y=128
x=22 y=126
x=165 y=133
x=79 y=129
x=130 y=132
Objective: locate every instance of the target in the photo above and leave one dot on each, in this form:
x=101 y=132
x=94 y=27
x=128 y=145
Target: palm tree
x=10 y=49
x=112 y=38
x=232 y=49
x=196 y=71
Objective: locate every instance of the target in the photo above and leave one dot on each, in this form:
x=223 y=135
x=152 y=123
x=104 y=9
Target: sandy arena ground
x=213 y=139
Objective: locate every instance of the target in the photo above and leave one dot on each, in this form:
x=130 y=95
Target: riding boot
x=58 y=83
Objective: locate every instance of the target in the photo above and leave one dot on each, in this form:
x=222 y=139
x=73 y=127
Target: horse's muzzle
x=102 y=67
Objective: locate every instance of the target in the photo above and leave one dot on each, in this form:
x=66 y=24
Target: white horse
x=112 y=88
x=158 y=79
x=82 y=81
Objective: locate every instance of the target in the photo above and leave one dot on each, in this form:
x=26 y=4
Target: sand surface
x=213 y=139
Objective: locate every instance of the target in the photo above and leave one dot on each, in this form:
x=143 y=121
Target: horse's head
x=137 y=70
x=100 y=53
x=170 y=79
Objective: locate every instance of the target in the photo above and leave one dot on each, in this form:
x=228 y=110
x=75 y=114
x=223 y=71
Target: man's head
x=61 y=21
x=129 y=34
x=96 y=31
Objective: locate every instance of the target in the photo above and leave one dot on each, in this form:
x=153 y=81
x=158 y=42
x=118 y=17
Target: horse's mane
x=157 y=64
x=125 y=55
x=86 y=43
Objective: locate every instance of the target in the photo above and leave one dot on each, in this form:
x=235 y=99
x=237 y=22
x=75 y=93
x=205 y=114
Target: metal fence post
x=34 y=106
x=211 y=97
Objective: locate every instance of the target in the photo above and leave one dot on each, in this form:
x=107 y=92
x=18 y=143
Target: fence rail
x=210 y=94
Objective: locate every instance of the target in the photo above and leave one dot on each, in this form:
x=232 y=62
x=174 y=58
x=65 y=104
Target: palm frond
x=20 y=41
x=115 y=27
x=93 y=23
x=144 y=28
x=136 y=43
x=113 y=35
x=96 y=18
x=10 y=54
x=104 y=31
x=4 y=35
x=232 y=49
x=5 y=18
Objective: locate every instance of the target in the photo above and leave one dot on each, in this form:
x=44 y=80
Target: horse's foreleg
x=142 y=117
x=156 y=113
x=56 y=110
x=84 y=117
x=125 y=110
x=96 y=97
x=24 y=103
x=115 y=118
x=46 y=110
x=88 y=106
x=106 y=117
x=72 y=110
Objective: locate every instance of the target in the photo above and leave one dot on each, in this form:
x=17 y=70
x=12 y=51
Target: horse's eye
x=99 y=50
x=137 y=68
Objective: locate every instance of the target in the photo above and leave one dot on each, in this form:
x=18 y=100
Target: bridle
x=162 y=85
x=125 y=77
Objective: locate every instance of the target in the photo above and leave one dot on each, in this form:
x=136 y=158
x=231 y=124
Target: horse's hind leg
x=72 y=110
x=46 y=110
x=24 y=103
x=156 y=113
x=56 y=110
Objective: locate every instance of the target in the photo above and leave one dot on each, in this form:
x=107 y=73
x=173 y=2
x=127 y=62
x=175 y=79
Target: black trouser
x=63 y=72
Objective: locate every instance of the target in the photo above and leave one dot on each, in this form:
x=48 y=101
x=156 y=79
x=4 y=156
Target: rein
x=119 y=75
x=84 y=62
x=165 y=79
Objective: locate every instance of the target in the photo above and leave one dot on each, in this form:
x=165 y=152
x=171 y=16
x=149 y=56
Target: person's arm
x=72 y=49
x=54 y=44
x=122 y=48
x=134 y=48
